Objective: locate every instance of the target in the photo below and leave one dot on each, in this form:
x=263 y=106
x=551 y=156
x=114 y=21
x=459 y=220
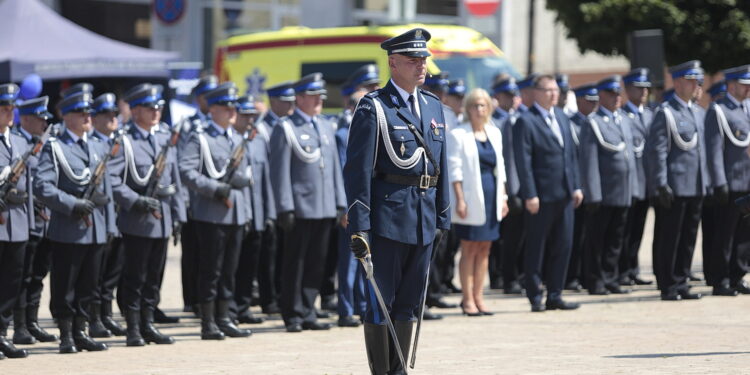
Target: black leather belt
x=423 y=182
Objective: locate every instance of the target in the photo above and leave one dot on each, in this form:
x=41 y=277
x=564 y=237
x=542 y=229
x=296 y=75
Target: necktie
x=2 y=139
x=229 y=139
x=83 y=145
x=152 y=142
x=555 y=128
x=413 y=107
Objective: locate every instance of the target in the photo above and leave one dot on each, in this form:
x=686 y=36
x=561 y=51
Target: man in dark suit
x=727 y=140
x=548 y=172
x=679 y=178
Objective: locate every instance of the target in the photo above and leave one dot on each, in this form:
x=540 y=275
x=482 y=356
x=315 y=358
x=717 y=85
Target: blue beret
x=205 y=84
x=507 y=85
x=587 y=91
x=35 y=107
x=611 y=83
x=224 y=94
x=105 y=103
x=282 y=91
x=527 y=81
x=77 y=89
x=740 y=74
x=688 y=70
x=311 y=84
x=8 y=93
x=412 y=43
x=80 y=102
x=637 y=77
x=365 y=75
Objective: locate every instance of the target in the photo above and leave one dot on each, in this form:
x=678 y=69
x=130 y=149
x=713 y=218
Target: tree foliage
x=717 y=32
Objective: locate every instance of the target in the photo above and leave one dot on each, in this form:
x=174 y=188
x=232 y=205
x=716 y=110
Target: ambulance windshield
x=475 y=71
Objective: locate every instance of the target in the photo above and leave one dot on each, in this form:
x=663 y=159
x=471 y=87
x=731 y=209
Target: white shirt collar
x=102 y=135
x=405 y=96
x=75 y=137
x=732 y=99
x=543 y=111
x=304 y=115
x=689 y=104
x=606 y=111
x=221 y=130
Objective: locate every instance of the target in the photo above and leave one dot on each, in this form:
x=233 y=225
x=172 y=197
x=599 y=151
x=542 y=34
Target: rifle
x=234 y=161
x=160 y=165
x=98 y=177
x=19 y=167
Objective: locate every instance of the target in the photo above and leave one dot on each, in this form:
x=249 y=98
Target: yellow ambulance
x=293 y=52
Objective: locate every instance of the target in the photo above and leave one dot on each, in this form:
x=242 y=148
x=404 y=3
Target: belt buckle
x=424 y=181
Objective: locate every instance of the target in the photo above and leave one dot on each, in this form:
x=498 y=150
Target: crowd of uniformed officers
x=258 y=200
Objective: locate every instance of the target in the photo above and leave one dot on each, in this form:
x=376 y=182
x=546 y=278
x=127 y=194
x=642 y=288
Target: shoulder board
x=425 y=92
x=373 y=94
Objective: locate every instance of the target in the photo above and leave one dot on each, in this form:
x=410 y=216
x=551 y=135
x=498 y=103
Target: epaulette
x=425 y=92
x=373 y=94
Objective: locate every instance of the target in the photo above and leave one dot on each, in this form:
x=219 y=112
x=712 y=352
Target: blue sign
x=169 y=11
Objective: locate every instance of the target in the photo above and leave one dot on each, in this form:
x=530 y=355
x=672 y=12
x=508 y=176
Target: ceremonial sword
x=367 y=264
x=421 y=307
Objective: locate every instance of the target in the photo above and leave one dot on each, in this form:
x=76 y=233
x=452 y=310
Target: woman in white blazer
x=477 y=176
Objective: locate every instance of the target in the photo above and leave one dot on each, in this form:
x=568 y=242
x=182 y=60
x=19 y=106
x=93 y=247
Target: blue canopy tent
x=35 y=39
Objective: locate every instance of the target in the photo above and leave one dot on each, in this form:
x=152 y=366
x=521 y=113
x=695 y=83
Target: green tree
x=717 y=32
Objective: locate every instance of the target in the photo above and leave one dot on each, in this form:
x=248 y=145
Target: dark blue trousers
x=400 y=271
x=351 y=292
x=549 y=239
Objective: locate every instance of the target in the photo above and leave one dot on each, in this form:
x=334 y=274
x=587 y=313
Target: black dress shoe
x=599 y=291
x=693 y=277
x=348 y=321
x=626 y=281
x=294 y=327
x=329 y=304
x=249 y=318
x=537 y=307
x=615 y=289
x=428 y=315
x=639 y=281
x=322 y=314
x=513 y=288
x=10 y=350
x=454 y=289
x=742 y=287
x=441 y=304
x=688 y=295
x=161 y=318
x=187 y=308
x=559 y=304
x=671 y=297
x=724 y=290
x=316 y=326
x=486 y=313
x=574 y=286
x=496 y=284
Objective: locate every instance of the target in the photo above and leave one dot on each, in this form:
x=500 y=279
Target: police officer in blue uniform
x=306 y=174
x=79 y=226
x=727 y=130
x=398 y=199
x=637 y=86
x=512 y=231
x=33 y=116
x=526 y=90
x=351 y=282
x=608 y=175
x=564 y=85
x=146 y=218
x=548 y=172
x=281 y=102
x=678 y=176
x=105 y=123
x=189 y=240
x=15 y=209
x=587 y=99
x=717 y=90
x=219 y=209
x=260 y=201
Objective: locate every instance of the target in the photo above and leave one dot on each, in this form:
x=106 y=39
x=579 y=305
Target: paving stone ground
x=632 y=334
